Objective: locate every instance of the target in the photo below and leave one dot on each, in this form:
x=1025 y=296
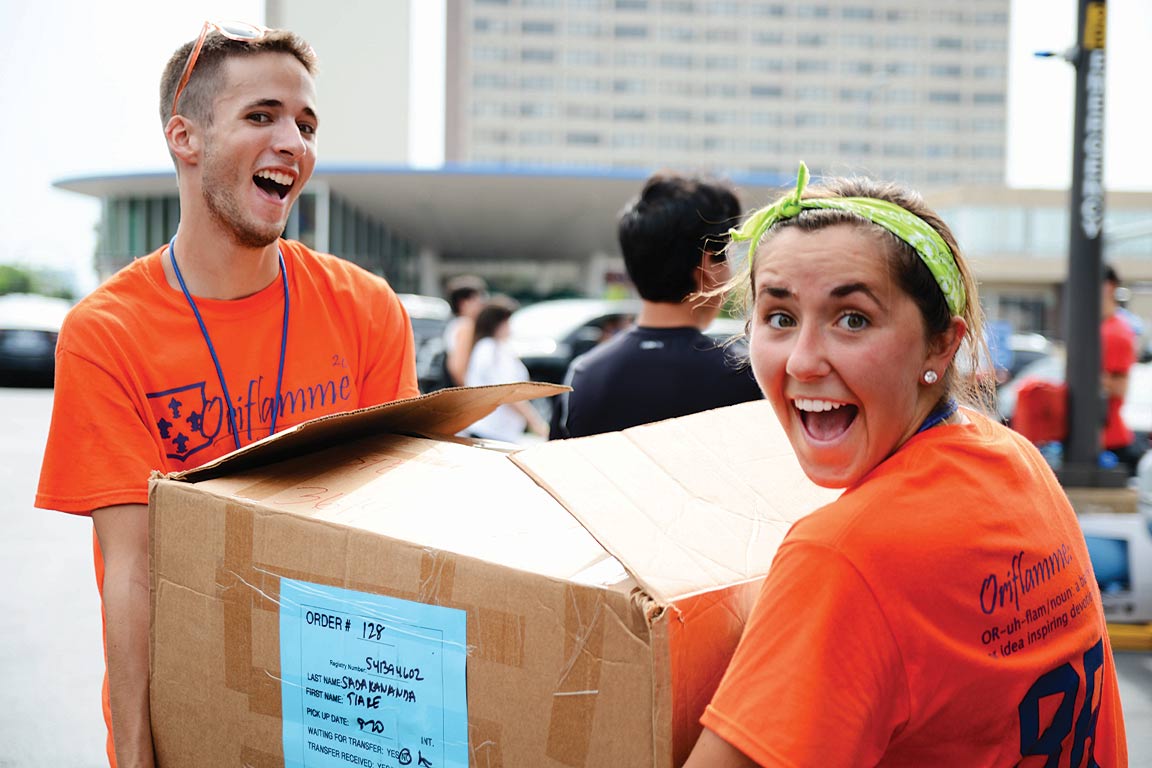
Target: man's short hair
x=197 y=98
x=664 y=232
x=463 y=287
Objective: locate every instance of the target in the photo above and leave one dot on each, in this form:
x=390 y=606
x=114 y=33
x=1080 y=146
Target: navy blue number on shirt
x=1064 y=680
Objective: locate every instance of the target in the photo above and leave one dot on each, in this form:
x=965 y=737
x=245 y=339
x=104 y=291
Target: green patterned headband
x=907 y=226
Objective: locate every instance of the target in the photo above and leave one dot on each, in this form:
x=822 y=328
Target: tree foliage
x=19 y=280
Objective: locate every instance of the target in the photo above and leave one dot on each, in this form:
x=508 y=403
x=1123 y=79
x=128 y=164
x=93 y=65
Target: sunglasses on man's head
x=240 y=31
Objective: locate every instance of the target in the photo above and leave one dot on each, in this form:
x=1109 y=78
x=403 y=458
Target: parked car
x=1137 y=408
x=429 y=316
x=29 y=326
x=548 y=335
x=1025 y=349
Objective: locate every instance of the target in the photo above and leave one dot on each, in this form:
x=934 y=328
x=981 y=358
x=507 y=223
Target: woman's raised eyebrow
x=848 y=289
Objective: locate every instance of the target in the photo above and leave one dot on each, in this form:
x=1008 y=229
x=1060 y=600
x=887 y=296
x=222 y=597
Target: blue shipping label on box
x=369 y=680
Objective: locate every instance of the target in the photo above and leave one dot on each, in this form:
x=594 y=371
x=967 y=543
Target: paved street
x=50 y=650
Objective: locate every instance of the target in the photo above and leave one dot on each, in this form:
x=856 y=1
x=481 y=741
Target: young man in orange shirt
x=224 y=336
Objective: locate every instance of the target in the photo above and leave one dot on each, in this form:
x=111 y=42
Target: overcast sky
x=79 y=81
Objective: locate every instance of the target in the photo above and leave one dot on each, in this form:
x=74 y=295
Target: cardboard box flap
x=444 y=412
x=687 y=504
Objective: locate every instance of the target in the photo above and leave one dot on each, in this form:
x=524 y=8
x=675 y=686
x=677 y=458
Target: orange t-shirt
x=137 y=390
x=942 y=612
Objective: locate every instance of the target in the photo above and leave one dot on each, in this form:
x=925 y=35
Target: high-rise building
x=904 y=89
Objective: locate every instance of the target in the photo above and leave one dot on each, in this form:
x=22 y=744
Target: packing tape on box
x=574 y=701
x=245 y=586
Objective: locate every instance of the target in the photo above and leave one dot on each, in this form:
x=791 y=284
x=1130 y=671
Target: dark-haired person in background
x=467 y=295
x=673 y=238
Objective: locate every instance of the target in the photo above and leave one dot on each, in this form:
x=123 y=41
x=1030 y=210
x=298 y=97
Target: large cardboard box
x=367 y=590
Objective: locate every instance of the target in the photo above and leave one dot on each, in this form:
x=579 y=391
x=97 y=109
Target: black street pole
x=1085 y=268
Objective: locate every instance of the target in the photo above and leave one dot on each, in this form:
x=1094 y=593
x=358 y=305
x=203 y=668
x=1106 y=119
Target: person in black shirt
x=673 y=238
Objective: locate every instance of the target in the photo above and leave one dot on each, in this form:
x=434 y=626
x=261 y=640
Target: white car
x=29 y=325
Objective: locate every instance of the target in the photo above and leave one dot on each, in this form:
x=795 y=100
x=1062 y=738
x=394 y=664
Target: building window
x=679 y=6
x=810 y=40
x=582 y=138
x=483 y=80
x=988 y=98
x=676 y=60
x=583 y=85
x=766 y=65
x=989 y=72
x=811 y=120
x=812 y=11
x=855 y=148
x=990 y=45
x=675 y=115
x=857 y=41
x=812 y=66
x=629 y=140
x=583 y=29
x=483 y=53
x=898 y=150
x=631 y=31
x=538 y=110
x=535 y=138
x=678 y=34
x=535 y=27
x=583 y=58
x=762 y=91
x=944 y=97
x=766 y=118
x=725 y=63
x=537 y=56
x=629 y=114
x=902 y=42
x=987 y=152
x=631 y=5
x=629 y=86
x=722 y=90
x=812 y=93
x=769 y=37
x=900 y=122
x=994 y=18
x=857 y=68
x=948 y=43
x=943 y=124
x=946 y=70
x=492 y=26
x=722 y=35
x=770 y=9
x=857 y=12
x=631 y=59
x=722 y=8
x=537 y=84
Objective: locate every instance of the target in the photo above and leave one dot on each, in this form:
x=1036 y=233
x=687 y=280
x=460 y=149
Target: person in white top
x=467 y=295
x=493 y=362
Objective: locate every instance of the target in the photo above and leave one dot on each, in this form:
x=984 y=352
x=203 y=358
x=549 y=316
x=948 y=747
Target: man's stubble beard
x=226 y=210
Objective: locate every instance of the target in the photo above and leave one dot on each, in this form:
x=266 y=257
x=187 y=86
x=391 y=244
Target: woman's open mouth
x=825 y=420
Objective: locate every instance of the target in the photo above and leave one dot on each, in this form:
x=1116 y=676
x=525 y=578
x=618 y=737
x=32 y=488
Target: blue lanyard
x=212 y=349
x=940 y=414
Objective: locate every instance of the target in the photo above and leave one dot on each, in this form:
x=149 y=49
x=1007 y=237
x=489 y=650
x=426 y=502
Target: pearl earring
x=930 y=377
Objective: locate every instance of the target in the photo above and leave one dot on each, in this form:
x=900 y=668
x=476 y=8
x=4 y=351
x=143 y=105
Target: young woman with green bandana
x=943 y=611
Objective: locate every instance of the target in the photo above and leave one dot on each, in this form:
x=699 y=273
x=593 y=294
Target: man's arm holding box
x=123 y=534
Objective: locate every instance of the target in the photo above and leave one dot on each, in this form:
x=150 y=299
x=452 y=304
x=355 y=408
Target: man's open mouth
x=825 y=419
x=279 y=184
